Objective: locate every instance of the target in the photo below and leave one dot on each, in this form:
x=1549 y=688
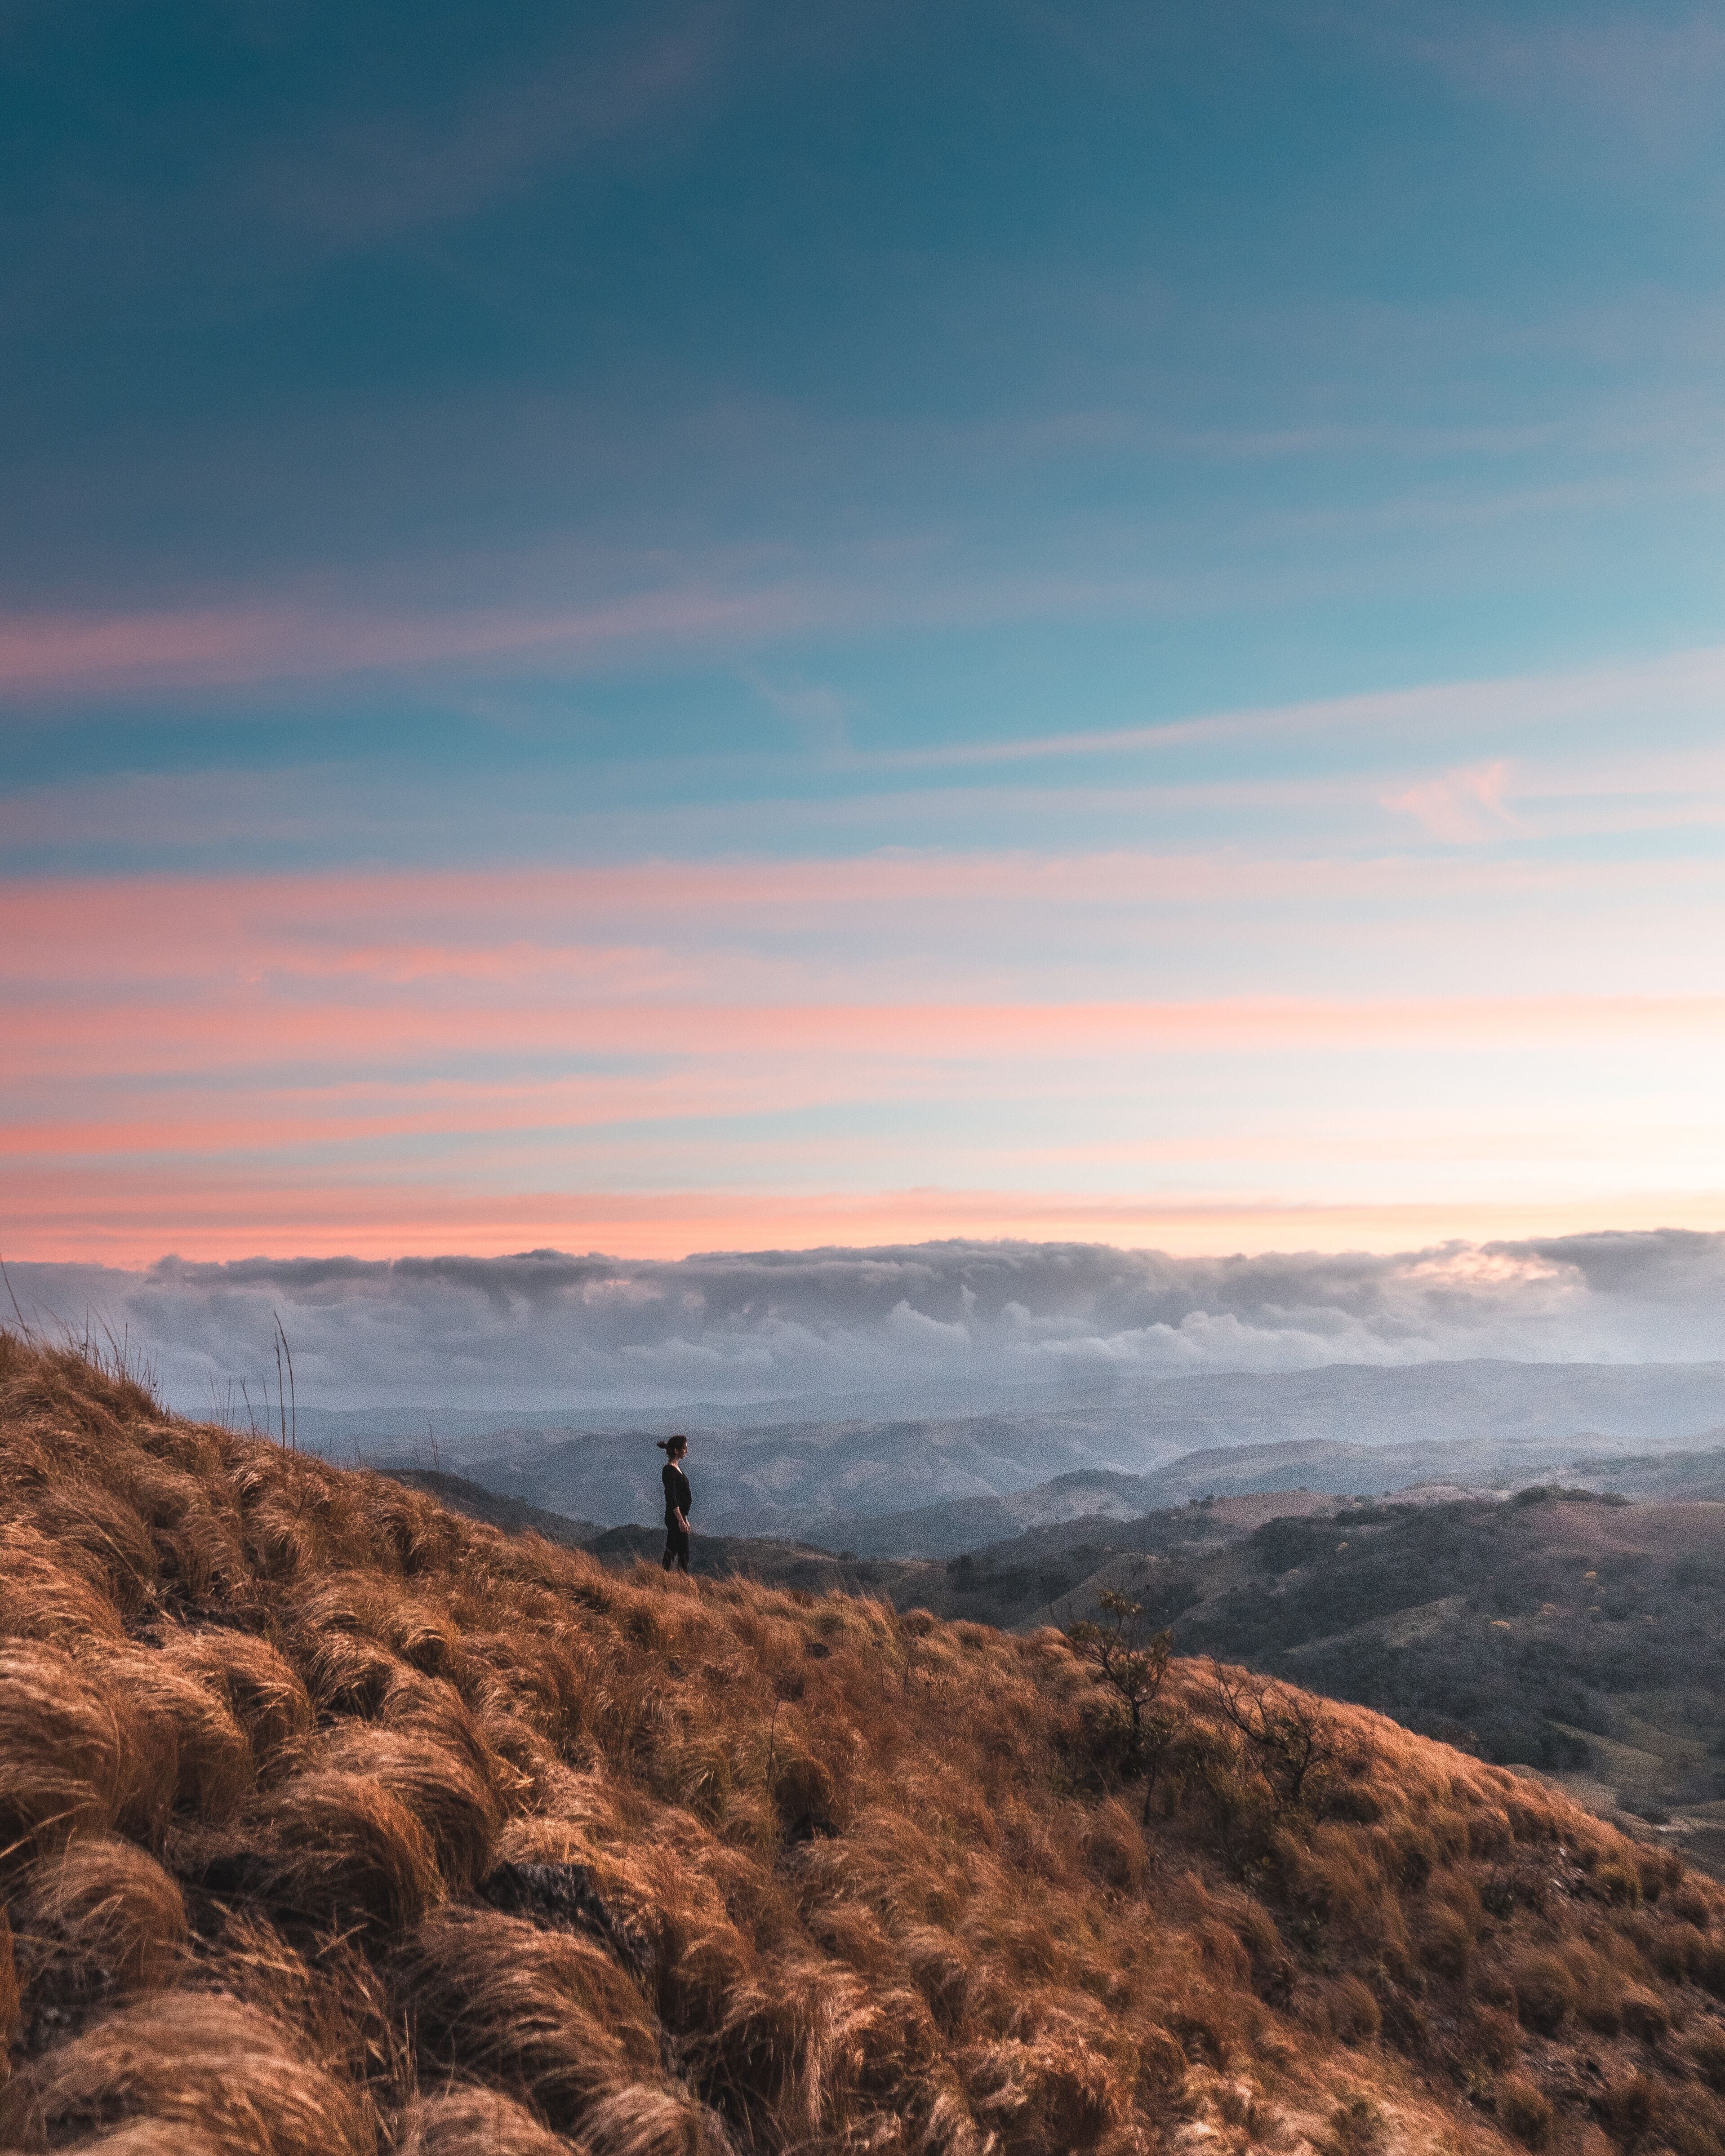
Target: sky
x=698 y=628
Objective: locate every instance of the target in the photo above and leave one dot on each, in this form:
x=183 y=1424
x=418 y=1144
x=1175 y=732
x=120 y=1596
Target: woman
x=679 y=1497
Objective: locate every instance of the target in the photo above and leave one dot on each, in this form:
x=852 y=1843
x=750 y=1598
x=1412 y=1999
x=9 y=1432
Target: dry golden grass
x=332 y=1823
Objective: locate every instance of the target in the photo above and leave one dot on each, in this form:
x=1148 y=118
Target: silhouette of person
x=679 y=1497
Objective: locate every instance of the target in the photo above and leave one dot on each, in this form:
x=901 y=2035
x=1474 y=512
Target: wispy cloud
x=68 y=653
x=1463 y=808
x=1656 y=81
x=356 y=182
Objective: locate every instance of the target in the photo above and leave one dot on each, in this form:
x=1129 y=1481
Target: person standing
x=679 y=1498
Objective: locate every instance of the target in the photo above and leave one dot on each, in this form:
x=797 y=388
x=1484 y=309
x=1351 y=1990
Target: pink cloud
x=74 y=1214
x=67 y=652
x=1463 y=808
x=309 y=1061
x=245 y=1030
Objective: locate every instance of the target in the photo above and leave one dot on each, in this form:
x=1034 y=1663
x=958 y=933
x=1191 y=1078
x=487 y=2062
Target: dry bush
x=61 y=1758
x=40 y=1599
x=209 y=2066
x=185 y=1750
x=1619 y=1884
x=1644 y=2014
x=94 y=1529
x=941 y=1966
x=263 y=1692
x=1628 y=2107
x=1044 y=2096
x=645 y=2119
x=1707 y=2050
x=432 y=1707
x=1525 y=2110
x=330 y=1997
x=1493 y=2037
x=1599 y=1988
x=474 y=2122
x=1114 y=1848
x=437 y=1786
x=1544 y=1992
x=541 y=2012
x=148 y=2137
x=1354 y=2013
x=105 y=1912
x=338 y=1849
x=345 y=1672
x=10 y=1997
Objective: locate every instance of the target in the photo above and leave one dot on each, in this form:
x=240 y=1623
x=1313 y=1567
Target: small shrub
x=1356 y=2128
x=1545 y=1993
x=1445 y=1943
x=1114 y=1849
x=803 y=1795
x=1617 y=1884
x=1645 y=2015
x=1354 y=1802
x=1494 y=2038
x=1354 y=2011
x=339 y=1850
x=541 y=2012
x=1416 y=1854
x=1525 y=2110
x=188 y=2064
x=1627 y=2106
x=1658 y=1870
x=11 y=2001
x=105 y=1913
x=1162 y=2067
x=1707 y=2054
x=63 y=1764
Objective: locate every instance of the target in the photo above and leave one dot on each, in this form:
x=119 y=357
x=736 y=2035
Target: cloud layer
x=969 y=1323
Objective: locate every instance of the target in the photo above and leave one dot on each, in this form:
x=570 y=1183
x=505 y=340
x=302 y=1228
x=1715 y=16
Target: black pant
x=676 y=1547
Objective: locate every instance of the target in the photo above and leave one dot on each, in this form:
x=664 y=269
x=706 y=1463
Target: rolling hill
x=333 y=1822
x=1579 y=1634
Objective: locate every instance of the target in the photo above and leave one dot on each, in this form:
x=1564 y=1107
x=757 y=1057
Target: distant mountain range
x=935 y=1485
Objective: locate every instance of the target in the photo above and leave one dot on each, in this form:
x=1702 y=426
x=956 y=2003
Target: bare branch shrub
x=1290 y=1740
x=1130 y=1662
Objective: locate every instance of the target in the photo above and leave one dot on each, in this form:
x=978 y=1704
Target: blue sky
x=1126 y=510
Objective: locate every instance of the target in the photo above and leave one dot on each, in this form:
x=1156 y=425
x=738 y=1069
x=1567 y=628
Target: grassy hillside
x=1579 y=1636
x=334 y=1823
x=1585 y=1637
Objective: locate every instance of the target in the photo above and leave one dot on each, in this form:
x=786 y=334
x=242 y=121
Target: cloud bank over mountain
x=970 y=1324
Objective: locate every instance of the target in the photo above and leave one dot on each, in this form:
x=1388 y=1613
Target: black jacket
x=679 y=1497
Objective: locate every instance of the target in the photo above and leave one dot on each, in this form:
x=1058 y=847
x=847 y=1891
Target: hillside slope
x=334 y=1823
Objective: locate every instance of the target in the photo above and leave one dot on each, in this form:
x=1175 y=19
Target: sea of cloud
x=974 y=1324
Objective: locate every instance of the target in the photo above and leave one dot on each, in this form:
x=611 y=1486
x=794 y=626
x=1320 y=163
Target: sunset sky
x=709 y=627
